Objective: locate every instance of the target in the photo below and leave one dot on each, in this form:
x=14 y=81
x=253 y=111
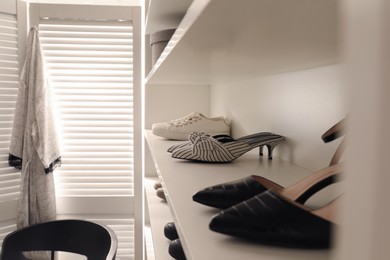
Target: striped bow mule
x=205 y=148
x=220 y=138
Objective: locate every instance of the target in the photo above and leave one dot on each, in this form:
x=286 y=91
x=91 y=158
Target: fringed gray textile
x=34 y=148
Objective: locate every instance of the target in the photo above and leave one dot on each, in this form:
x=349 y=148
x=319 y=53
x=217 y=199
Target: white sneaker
x=180 y=129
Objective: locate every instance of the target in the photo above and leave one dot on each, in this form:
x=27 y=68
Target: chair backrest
x=93 y=240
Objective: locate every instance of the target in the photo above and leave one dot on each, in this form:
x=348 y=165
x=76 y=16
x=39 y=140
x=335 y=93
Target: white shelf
x=227 y=40
x=183 y=178
x=159 y=216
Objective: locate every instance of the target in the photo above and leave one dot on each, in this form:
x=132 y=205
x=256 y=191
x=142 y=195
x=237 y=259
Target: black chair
x=95 y=241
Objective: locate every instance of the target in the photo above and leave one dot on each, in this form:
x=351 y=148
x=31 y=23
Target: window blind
x=9 y=78
x=90 y=68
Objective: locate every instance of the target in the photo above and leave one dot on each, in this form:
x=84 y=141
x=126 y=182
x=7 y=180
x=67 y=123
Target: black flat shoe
x=176 y=250
x=170 y=231
x=273 y=219
x=226 y=195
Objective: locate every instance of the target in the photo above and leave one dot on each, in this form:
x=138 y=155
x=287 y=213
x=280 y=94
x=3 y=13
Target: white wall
x=299 y=105
x=166 y=102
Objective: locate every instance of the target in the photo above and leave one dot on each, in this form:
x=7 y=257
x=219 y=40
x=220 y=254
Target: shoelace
x=185 y=120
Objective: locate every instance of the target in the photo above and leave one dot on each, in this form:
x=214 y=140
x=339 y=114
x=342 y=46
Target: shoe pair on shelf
x=258 y=209
x=179 y=129
x=209 y=140
x=175 y=249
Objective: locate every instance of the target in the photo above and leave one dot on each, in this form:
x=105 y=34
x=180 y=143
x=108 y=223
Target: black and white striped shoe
x=208 y=149
x=220 y=138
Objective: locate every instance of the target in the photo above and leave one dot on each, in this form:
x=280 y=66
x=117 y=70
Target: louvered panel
x=5 y=97
x=6 y=125
x=91 y=72
x=81 y=79
x=95 y=123
x=125 y=111
x=4 y=134
x=88 y=173
x=4 y=158
x=96 y=183
x=9 y=186
x=101 y=89
x=93 y=85
x=107 y=148
x=83 y=60
x=93 y=130
x=95 y=167
x=9 y=170
x=97 y=142
x=95 y=105
x=9 y=77
x=94 y=98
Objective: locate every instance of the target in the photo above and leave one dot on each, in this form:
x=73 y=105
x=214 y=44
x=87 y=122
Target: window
x=90 y=69
x=9 y=83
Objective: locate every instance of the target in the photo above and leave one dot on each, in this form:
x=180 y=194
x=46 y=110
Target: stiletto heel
x=208 y=149
x=226 y=195
x=271 y=148
x=261 y=150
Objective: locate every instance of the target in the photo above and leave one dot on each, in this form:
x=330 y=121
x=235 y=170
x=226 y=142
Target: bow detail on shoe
x=206 y=147
x=204 y=142
x=195 y=137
